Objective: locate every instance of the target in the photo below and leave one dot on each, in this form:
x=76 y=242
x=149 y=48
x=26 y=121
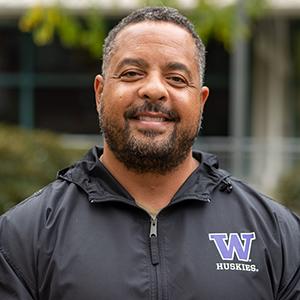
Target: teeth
x=151 y=119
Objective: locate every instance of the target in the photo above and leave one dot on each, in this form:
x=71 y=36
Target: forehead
x=155 y=29
x=155 y=38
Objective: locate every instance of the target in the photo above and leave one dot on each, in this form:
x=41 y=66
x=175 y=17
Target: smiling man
x=146 y=217
x=150 y=103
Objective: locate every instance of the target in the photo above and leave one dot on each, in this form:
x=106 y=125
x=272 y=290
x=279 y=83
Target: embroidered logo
x=235 y=246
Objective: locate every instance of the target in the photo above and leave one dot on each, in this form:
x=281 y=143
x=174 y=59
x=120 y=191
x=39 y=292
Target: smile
x=151 y=119
x=151 y=122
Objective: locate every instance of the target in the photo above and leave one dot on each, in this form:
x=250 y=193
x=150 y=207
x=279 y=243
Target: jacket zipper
x=154 y=253
x=154 y=242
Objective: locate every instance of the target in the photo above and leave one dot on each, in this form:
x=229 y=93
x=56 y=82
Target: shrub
x=288 y=189
x=29 y=159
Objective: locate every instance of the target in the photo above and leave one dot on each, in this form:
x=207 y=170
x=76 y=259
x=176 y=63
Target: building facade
x=252 y=119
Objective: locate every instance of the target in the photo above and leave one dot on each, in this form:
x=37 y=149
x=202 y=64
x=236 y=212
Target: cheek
x=118 y=96
x=188 y=105
x=114 y=109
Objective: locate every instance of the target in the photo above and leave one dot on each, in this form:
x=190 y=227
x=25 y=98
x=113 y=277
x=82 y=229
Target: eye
x=131 y=75
x=177 y=80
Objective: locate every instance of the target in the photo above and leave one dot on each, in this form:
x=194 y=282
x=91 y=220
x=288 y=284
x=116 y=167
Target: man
x=145 y=217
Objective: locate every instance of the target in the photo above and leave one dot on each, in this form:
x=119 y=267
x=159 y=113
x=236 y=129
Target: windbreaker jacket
x=83 y=238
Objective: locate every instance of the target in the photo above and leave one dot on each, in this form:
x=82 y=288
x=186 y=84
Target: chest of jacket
x=104 y=251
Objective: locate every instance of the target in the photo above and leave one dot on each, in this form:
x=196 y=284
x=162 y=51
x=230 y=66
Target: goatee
x=146 y=155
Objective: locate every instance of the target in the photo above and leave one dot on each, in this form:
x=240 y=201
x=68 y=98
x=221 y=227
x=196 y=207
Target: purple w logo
x=227 y=247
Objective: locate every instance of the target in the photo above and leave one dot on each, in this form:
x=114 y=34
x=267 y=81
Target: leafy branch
x=88 y=30
x=73 y=31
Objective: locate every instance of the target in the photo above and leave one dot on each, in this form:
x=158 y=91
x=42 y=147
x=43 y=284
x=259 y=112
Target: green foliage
x=170 y=3
x=29 y=160
x=44 y=22
x=288 y=190
x=222 y=22
x=88 y=31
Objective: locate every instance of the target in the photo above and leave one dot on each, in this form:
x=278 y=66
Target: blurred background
x=50 y=52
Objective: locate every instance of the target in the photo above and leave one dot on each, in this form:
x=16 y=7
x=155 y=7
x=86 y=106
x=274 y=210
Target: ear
x=203 y=96
x=98 y=89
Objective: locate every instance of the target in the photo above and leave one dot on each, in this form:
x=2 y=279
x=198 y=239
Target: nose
x=153 y=88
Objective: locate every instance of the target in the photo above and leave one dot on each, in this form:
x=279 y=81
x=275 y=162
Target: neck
x=151 y=191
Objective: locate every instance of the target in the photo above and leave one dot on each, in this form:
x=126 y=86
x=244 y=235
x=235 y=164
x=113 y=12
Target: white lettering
x=236 y=267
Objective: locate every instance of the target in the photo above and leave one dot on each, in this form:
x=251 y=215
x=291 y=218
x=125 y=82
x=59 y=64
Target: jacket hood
x=100 y=186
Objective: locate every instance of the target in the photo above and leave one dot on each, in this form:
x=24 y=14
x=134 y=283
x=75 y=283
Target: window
x=294 y=101
x=51 y=87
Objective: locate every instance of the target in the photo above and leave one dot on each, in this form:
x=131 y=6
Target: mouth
x=155 y=123
x=152 y=117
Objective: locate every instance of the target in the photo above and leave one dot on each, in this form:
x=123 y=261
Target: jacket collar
x=100 y=185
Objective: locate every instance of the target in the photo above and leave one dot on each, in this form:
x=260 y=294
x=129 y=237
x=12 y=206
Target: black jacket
x=84 y=238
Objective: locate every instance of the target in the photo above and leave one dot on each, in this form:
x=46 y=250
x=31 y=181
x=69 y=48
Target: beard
x=145 y=155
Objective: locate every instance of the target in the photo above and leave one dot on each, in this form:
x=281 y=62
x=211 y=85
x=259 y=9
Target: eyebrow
x=138 y=62
x=173 y=66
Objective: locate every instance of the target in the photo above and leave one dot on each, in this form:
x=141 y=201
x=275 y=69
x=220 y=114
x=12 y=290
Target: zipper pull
x=226 y=185
x=154 y=242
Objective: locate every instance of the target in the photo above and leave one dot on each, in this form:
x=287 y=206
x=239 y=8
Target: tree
x=88 y=30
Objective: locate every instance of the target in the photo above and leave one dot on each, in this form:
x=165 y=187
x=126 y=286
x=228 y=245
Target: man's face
x=150 y=102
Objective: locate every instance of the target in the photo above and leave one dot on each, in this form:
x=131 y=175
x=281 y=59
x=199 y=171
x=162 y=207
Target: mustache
x=133 y=111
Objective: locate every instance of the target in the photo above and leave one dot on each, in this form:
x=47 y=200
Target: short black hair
x=163 y=14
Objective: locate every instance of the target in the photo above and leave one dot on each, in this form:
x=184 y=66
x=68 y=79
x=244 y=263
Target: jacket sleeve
x=17 y=262
x=12 y=285
x=290 y=243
